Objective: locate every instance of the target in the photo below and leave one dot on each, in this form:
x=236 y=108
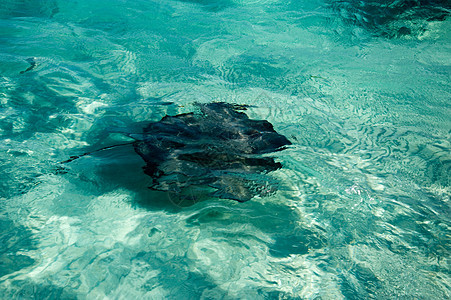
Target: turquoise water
x=362 y=210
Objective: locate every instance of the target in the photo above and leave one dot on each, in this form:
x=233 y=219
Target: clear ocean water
x=362 y=210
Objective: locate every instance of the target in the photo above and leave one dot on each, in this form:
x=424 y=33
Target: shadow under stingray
x=215 y=152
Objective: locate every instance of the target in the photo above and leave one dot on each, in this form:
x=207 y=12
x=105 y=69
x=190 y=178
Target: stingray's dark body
x=219 y=146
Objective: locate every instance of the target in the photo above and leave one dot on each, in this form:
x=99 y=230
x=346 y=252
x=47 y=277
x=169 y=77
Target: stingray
x=32 y=62
x=217 y=147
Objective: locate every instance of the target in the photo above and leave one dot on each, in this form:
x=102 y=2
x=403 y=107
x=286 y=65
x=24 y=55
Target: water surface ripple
x=362 y=208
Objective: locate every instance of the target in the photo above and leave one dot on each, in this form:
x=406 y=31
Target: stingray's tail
x=72 y=158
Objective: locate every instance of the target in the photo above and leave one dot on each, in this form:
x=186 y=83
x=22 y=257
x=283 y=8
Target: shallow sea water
x=362 y=210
